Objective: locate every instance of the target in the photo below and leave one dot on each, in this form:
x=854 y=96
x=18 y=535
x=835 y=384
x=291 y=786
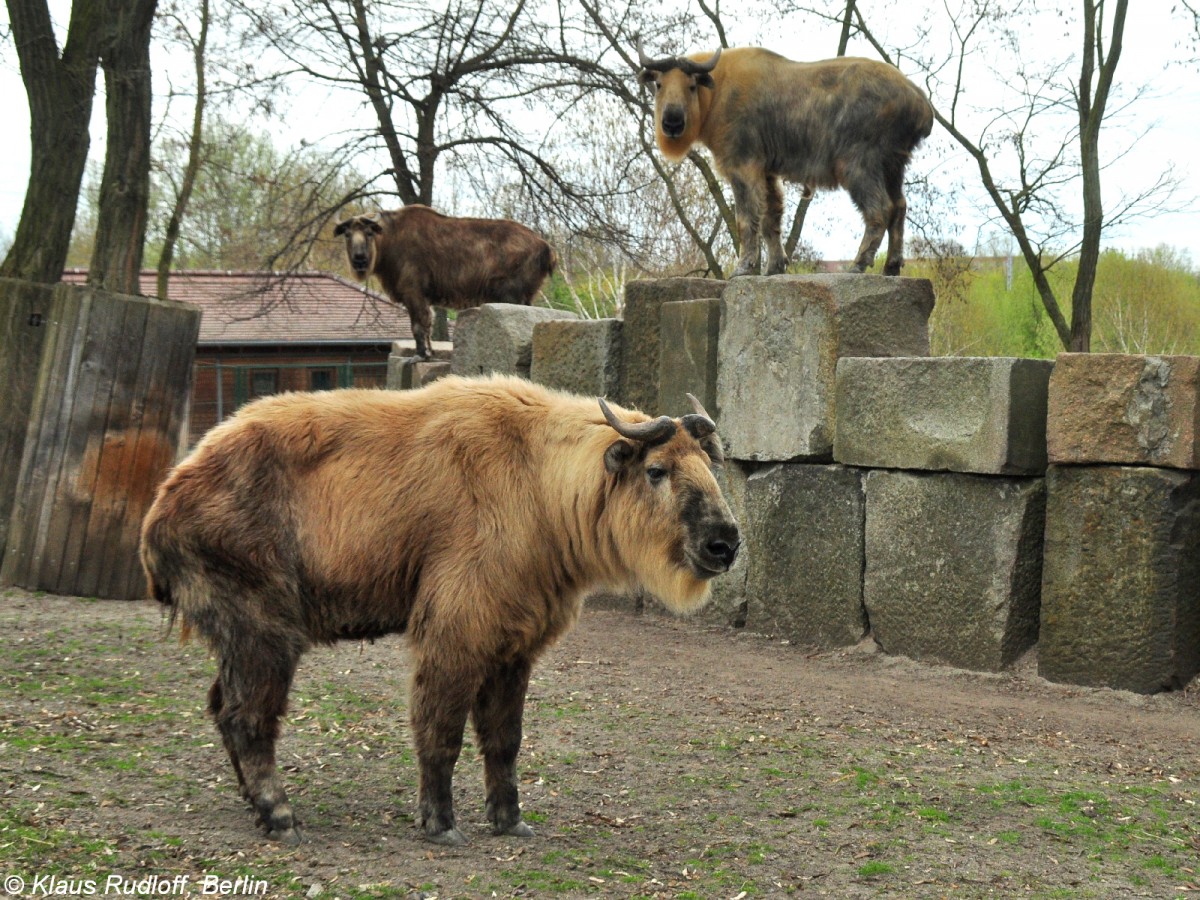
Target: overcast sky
x=1172 y=115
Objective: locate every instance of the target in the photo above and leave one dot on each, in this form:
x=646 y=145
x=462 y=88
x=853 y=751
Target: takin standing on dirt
x=844 y=122
x=424 y=258
x=473 y=515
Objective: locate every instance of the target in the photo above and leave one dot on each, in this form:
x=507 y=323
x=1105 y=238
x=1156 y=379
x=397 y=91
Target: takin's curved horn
x=698 y=407
x=701 y=424
x=665 y=64
x=690 y=67
x=649 y=432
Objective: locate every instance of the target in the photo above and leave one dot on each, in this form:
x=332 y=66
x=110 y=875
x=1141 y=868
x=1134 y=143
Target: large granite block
x=1121 y=583
x=780 y=340
x=803 y=531
x=688 y=360
x=1120 y=409
x=498 y=337
x=954 y=565
x=582 y=356
x=409 y=372
x=640 y=361
x=957 y=414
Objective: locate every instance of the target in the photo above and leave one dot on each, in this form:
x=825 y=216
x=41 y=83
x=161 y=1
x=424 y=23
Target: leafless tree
x=197 y=43
x=60 y=84
x=1038 y=157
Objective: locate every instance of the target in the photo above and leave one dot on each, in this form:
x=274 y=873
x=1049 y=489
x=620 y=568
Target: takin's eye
x=656 y=475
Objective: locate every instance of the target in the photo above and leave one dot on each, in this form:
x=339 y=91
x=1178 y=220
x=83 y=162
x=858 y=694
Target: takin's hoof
x=520 y=829
x=289 y=836
x=451 y=837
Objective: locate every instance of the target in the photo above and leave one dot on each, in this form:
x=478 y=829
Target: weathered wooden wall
x=103 y=387
x=24 y=306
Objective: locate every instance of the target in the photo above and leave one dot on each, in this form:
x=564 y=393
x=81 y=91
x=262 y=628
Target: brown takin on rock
x=473 y=515
x=845 y=122
x=424 y=258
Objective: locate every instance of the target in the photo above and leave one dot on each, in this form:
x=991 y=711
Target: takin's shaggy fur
x=473 y=515
x=844 y=122
x=424 y=258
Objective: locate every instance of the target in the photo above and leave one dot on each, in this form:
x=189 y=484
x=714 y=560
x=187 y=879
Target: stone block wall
x=498 y=337
x=956 y=510
x=1121 y=589
x=780 y=341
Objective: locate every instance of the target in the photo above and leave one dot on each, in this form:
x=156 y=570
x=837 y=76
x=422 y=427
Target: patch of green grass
x=874 y=869
x=934 y=815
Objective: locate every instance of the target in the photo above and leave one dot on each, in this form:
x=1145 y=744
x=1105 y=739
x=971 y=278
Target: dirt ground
x=661 y=759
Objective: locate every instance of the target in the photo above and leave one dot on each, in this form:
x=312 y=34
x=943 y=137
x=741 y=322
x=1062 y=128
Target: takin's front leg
x=440 y=702
x=497 y=714
x=420 y=314
x=247 y=700
x=749 y=203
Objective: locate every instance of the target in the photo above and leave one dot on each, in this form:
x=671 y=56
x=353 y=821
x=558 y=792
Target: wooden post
x=109 y=406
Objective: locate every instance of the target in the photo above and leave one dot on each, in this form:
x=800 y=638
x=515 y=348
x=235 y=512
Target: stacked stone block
x=1121 y=584
x=641 y=338
x=804 y=531
x=688 y=358
x=498 y=337
x=407 y=373
x=960 y=414
x=582 y=356
x=779 y=344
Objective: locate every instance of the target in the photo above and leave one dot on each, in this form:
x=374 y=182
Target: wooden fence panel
x=25 y=313
x=112 y=393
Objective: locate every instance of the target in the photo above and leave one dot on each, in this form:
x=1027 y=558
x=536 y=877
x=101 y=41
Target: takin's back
x=801 y=118
x=341 y=510
x=461 y=262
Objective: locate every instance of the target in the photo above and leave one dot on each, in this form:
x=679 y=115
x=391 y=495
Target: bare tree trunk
x=1091 y=116
x=125 y=188
x=193 y=161
x=60 y=95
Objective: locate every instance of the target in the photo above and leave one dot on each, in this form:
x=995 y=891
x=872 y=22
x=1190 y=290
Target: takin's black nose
x=673 y=121
x=721 y=549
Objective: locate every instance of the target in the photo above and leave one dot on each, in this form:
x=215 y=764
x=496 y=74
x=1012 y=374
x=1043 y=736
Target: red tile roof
x=292 y=308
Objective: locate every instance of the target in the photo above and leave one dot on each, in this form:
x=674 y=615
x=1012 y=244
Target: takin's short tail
x=160 y=590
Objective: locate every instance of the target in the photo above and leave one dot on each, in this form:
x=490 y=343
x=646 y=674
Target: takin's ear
x=340 y=228
x=375 y=226
x=619 y=456
x=648 y=78
x=712 y=446
x=704 y=79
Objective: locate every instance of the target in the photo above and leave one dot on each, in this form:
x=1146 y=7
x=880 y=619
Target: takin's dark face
x=360 y=233
x=677 y=114
x=677 y=513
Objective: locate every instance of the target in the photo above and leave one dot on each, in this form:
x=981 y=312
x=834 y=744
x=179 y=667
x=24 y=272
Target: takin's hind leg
x=772 y=228
x=895 y=232
x=254 y=684
x=872 y=200
x=497 y=713
x=216 y=703
x=440 y=701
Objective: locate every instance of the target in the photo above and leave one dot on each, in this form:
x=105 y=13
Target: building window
x=264 y=382
x=321 y=379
